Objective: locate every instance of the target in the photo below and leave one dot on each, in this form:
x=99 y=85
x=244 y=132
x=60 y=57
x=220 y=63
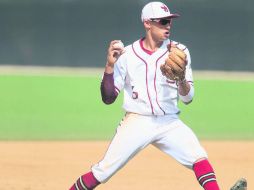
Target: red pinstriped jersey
x=146 y=90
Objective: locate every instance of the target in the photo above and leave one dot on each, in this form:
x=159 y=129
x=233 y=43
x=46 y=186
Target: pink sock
x=205 y=175
x=85 y=182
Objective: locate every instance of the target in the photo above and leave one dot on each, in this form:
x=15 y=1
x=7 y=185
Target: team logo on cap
x=165 y=8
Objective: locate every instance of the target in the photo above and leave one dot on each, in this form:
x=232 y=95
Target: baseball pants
x=168 y=133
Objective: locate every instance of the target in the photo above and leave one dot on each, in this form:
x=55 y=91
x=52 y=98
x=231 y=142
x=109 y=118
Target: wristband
x=188 y=98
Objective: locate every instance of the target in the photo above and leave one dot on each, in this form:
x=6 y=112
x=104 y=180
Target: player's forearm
x=108 y=92
x=109 y=68
x=186 y=91
x=183 y=87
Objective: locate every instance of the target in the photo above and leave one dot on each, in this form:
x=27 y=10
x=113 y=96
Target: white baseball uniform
x=150 y=102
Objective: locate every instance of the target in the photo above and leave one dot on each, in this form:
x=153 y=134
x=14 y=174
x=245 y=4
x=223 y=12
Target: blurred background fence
x=75 y=33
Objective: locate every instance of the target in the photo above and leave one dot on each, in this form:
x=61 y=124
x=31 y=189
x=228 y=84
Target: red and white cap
x=154 y=10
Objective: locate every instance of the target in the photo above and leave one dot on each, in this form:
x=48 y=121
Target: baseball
x=119 y=45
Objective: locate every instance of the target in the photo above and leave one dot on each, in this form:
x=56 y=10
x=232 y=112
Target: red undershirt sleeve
x=108 y=92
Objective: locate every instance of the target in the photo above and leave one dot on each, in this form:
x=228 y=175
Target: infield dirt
x=56 y=165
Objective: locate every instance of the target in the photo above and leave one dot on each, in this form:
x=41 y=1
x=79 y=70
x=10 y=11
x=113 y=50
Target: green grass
x=70 y=108
x=221 y=109
x=54 y=108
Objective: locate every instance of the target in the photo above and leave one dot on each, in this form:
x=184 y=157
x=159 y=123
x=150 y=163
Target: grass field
x=70 y=108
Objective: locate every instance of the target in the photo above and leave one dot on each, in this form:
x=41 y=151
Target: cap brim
x=167 y=17
x=172 y=16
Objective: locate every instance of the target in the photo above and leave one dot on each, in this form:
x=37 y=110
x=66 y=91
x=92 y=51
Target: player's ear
x=147 y=24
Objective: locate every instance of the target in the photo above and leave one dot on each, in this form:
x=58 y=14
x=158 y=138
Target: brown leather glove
x=175 y=64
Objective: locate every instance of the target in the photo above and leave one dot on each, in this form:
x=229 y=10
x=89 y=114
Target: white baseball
x=119 y=45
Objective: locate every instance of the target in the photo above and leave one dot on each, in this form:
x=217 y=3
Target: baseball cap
x=156 y=10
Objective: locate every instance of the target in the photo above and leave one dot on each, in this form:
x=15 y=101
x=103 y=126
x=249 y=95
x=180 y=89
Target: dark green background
x=218 y=33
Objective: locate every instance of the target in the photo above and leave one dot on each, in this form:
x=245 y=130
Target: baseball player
x=154 y=73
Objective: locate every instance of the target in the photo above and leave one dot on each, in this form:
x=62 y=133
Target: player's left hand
x=175 y=64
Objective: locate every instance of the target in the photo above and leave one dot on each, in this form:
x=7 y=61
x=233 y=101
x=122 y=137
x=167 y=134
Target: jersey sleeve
x=188 y=74
x=120 y=73
x=189 y=78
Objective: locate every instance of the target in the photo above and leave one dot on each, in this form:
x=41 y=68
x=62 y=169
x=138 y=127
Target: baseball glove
x=175 y=64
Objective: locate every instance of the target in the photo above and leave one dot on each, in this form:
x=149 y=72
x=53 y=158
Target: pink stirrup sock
x=205 y=175
x=85 y=182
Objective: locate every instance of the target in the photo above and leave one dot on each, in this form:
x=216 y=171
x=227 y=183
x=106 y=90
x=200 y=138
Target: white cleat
x=241 y=184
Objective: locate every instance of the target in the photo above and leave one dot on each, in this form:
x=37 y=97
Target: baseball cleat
x=241 y=184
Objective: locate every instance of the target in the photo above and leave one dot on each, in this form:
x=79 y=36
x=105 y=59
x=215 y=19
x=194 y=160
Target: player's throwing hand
x=116 y=48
